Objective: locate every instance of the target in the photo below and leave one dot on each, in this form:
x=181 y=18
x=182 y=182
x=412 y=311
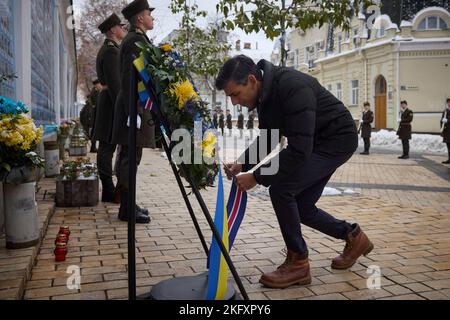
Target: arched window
x=432 y=23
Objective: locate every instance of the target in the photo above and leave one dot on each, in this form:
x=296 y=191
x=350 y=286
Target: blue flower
x=8 y=106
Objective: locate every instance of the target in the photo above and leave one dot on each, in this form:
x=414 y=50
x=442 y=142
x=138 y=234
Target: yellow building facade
x=382 y=63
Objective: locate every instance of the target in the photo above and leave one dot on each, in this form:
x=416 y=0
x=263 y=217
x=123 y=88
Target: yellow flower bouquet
x=18 y=138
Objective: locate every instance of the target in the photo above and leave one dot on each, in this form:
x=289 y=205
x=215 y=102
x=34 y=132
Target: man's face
x=448 y=103
x=147 y=20
x=246 y=95
x=120 y=32
x=366 y=108
x=98 y=86
x=404 y=106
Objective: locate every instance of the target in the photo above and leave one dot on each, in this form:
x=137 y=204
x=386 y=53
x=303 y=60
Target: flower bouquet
x=180 y=107
x=19 y=137
x=77 y=185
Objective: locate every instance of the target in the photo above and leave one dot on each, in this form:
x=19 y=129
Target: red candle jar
x=65 y=230
x=62 y=238
x=60 y=252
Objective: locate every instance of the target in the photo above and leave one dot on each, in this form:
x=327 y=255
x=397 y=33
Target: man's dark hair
x=238 y=69
x=448 y=99
x=404 y=102
x=366 y=104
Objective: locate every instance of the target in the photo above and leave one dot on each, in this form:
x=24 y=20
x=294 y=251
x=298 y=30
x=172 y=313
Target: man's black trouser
x=122 y=171
x=104 y=163
x=405 y=144
x=448 y=149
x=295 y=198
x=366 y=144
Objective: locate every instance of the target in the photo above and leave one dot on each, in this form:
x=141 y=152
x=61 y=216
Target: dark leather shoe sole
x=139 y=220
x=351 y=264
x=302 y=282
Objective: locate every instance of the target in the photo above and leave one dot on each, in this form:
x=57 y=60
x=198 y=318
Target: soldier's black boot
x=123 y=211
x=108 y=193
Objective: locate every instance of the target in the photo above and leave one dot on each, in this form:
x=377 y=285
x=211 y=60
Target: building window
x=356 y=39
x=306 y=55
x=7 y=89
x=432 y=23
x=339 y=91
x=355 y=92
x=42 y=61
x=381 y=32
x=339 y=42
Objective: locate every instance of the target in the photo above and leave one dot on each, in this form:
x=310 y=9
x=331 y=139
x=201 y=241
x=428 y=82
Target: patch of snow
x=419 y=143
x=331 y=192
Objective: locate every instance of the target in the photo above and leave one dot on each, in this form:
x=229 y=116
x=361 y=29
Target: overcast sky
x=166 y=22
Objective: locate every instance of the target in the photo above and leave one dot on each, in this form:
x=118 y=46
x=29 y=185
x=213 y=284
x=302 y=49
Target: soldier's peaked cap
x=112 y=21
x=136 y=7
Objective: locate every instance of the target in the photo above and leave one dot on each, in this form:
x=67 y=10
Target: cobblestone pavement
x=403 y=206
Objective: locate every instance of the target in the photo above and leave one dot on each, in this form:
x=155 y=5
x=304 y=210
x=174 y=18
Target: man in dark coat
x=445 y=125
x=85 y=118
x=240 y=124
x=229 y=123
x=109 y=77
x=366 y=127
x=322 y=136
x=405 y=129
x=139 y=14
x=221 y=121
x=214 y=118
x=93 y=100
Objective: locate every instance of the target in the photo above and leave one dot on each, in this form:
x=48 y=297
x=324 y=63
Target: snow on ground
x=420 y=142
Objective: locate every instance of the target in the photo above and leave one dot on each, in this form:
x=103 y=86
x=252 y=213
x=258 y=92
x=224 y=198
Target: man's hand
x=246 y=181
x=232 y=169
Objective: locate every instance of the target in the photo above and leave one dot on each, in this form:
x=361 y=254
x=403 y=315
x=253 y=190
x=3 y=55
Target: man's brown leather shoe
x=295 y=270
x=358 y=244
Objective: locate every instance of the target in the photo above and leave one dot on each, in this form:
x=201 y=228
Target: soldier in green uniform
x=366 y=127
x=139 y=14
x=109 y=78
x=445 y=122
x=405 y=129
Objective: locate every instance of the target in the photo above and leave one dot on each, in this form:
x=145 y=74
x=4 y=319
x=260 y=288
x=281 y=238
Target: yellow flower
x=209 y=145
x=166 y=47
x=183 y=92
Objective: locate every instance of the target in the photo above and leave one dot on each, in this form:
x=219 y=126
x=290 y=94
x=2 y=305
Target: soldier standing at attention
x=229 y=123
x=445 y=121
x=139 y=14
x=405 y=130
x=109 y=77
x=240 y=124
x=214 y=118
x=221 y=121
x=251 y=123
x=366 y=127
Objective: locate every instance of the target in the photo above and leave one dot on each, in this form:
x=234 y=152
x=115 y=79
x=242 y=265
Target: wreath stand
x=182 y=288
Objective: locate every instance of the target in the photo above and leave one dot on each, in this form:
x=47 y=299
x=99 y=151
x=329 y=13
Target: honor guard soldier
x=139 y=14
x=109 y=78
x=240 y=124
x=405 y=129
